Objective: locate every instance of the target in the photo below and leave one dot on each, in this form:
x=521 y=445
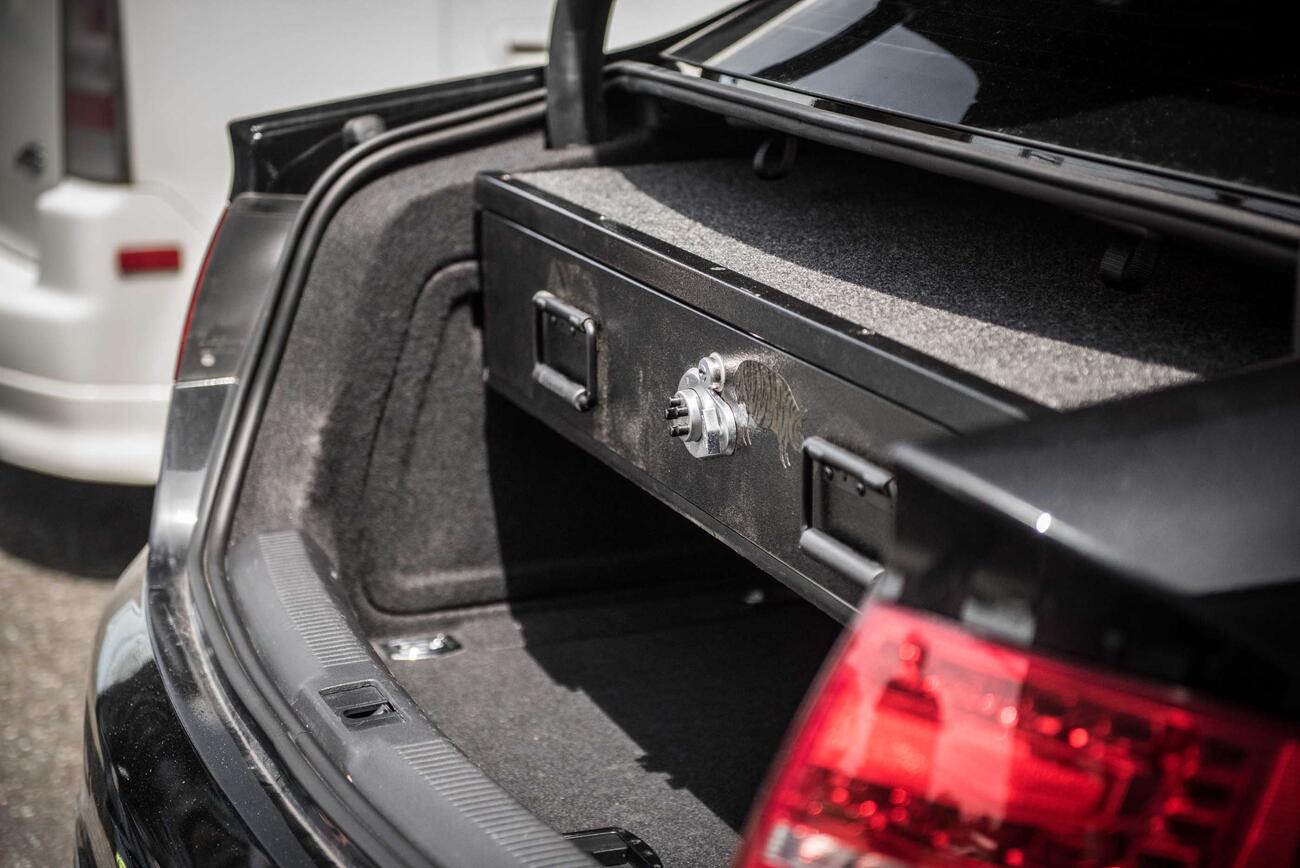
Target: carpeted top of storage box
x=997 y=285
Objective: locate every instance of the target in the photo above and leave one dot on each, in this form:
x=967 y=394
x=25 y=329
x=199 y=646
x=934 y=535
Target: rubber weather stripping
x=1251 y=232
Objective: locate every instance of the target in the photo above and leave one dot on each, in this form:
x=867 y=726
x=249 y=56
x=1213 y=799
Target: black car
x=535 y=437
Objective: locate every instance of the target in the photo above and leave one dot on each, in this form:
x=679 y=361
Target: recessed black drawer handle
x=557 y=321
x=847 y=504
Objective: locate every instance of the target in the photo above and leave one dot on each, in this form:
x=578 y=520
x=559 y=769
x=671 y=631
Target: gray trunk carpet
x=660 y=718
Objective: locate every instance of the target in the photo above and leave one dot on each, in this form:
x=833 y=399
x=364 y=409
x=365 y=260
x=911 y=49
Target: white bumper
x=87 y=354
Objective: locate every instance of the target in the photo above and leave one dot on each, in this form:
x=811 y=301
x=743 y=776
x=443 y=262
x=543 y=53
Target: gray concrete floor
x=61 y=545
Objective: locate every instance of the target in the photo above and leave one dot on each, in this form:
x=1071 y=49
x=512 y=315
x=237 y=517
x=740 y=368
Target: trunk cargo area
x=658 y=713
x=619 y=667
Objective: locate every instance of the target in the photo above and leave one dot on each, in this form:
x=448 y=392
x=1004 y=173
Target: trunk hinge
x=575 y=100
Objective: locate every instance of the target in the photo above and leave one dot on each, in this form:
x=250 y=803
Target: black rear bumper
x=147 y=796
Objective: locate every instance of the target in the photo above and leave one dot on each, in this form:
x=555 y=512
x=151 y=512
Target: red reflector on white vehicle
x=926 y=745
x=142 y=259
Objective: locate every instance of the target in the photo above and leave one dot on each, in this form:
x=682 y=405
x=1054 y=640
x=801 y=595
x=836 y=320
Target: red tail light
x=928 y=746
x=94 y=107
x=198 y=288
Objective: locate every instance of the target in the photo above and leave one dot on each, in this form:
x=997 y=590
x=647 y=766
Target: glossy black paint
x=166 y=781
x=174 y=773
x=1142 y=81
x=148 y=797
x=1157 y=535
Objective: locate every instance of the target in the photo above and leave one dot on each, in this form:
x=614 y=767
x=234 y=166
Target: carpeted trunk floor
x=664 y=727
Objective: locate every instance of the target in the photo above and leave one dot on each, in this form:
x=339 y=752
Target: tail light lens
x=928 y=746
x=94 y=106
x=199 y=278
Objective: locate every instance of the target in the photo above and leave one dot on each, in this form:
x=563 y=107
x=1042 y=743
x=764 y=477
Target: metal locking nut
x=700 y=415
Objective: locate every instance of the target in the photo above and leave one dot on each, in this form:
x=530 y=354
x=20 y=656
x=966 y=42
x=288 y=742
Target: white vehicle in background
x=112 y=173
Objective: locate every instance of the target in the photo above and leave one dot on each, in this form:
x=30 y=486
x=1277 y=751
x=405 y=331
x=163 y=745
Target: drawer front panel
x=536 y=294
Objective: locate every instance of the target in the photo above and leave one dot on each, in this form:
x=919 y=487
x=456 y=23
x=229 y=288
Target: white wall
x=193 y=65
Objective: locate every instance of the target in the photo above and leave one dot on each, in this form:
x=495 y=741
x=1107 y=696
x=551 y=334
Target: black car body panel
x=148 y=798
x=166 y=783
x=1101 y=482
x=1156 y=535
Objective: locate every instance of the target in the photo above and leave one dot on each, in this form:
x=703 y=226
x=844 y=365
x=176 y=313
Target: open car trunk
x=613 y=665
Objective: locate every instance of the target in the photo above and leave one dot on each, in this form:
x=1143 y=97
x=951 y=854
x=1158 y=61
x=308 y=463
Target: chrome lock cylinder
x=699 y=414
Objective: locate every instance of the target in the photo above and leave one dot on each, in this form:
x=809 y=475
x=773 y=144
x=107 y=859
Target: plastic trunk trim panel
x=302 y=628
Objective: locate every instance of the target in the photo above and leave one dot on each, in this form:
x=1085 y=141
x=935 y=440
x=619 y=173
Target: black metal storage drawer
x=806 y=494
